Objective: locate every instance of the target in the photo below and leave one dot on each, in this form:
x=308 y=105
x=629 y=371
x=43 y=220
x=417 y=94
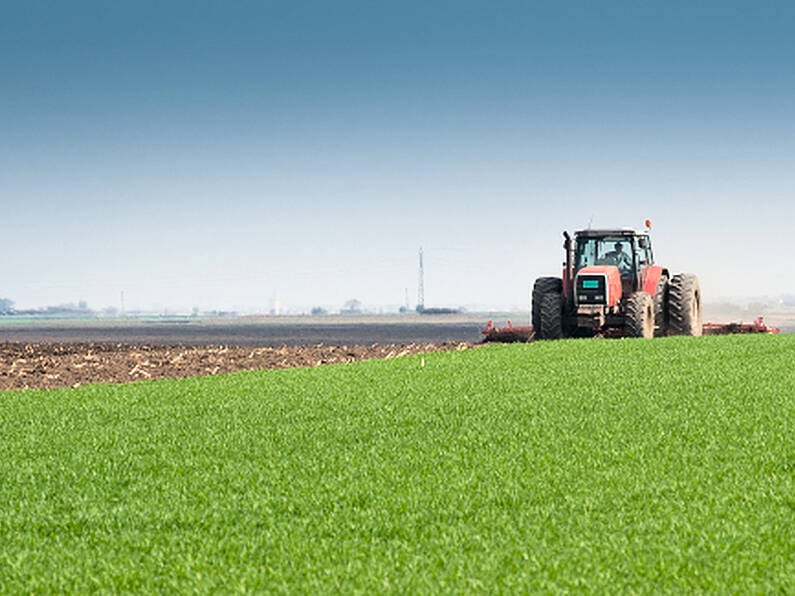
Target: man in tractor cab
x=620 y=259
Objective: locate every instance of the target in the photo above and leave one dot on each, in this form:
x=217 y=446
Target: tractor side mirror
x=642 y=242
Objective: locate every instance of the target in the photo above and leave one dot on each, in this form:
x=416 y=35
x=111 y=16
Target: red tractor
x=611 y=285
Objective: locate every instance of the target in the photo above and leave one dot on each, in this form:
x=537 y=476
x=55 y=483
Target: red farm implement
x=511 y=334
x=758 y=326
x=508 y=334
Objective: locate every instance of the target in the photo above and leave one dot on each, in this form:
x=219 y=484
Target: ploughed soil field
x=50 y=354
x=51 y=365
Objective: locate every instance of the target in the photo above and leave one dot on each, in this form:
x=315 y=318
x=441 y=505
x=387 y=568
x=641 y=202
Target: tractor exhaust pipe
x=568 y=274
x=569 y=264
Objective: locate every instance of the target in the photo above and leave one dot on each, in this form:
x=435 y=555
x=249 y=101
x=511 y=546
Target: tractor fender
x=612 y=278
x=650 y=277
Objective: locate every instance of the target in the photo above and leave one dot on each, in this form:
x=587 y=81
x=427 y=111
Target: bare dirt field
x=69 y=353
x=51 y=365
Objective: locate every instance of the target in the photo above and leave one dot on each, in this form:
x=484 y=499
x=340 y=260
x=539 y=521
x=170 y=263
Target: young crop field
x=585 y=466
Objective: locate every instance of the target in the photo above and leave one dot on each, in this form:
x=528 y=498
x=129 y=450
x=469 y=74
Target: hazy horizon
x=228 y=156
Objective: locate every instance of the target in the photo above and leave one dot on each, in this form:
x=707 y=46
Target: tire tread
x=684 y=305
x=639 y=307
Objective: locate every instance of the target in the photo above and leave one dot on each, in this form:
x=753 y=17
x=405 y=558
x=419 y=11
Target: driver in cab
x=620 y=259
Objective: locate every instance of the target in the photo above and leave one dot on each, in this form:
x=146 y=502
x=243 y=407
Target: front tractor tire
x=661 y=307
x=542 y=287
x=684 y=305
x=551 y=317
x=639 y=317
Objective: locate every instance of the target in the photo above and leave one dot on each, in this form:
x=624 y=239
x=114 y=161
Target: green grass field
x=585 y=466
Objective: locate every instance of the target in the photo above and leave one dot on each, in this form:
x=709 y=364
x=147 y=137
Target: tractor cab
x=627 y=250
x=600 y=251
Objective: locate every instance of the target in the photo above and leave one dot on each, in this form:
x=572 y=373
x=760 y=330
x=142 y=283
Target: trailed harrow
x=511 y=334
x=758 y=326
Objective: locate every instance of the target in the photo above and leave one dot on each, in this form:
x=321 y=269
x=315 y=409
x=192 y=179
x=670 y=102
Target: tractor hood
x=598 y=284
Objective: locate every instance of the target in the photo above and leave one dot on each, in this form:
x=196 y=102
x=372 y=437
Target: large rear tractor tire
x=661 y=296
x=639 y=318
x=551 y=315
x=684 y=305
x=542 y=287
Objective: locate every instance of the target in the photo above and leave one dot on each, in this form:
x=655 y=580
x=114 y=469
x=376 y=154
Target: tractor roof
x=628 y=232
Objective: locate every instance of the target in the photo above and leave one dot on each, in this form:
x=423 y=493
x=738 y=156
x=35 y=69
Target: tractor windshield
x=607 y=250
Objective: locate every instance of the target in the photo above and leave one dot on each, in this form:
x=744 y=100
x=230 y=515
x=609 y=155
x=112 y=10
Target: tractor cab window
x=643 y=249
x=586 y=253
x=616 y=251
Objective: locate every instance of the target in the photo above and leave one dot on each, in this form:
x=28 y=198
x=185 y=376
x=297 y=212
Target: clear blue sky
x=223 y=154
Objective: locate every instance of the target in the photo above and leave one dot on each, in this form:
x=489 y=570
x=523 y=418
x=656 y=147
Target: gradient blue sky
x=225 y=154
